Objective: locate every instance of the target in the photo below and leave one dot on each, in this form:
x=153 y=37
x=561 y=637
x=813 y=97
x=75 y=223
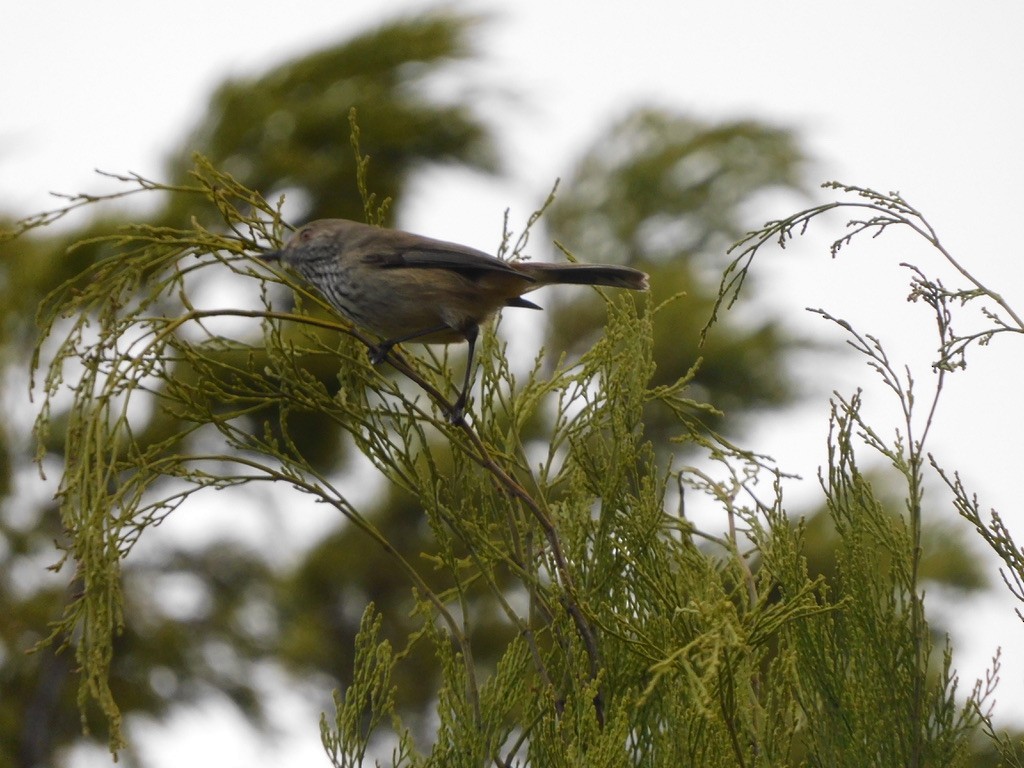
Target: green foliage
x=283 y=131
x=165 y=659
x=560 y=614
x=666 y=193
x=899 y=628
x=528 y=595
x=367 y=702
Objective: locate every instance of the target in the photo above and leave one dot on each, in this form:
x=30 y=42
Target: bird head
x=322 y=239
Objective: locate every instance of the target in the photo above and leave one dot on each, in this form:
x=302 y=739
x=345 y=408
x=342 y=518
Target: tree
x=375 y=72
x=625 y=641
x=290 y=393
x=245 y=132
x=666 y=193
x=288 y=130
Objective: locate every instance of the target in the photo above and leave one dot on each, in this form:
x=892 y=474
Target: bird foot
x=379 y=353
x=458 y=411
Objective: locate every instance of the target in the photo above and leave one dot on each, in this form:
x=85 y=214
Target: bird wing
x=426 y=253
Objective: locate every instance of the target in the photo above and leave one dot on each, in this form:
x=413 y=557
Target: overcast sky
x=923 y=97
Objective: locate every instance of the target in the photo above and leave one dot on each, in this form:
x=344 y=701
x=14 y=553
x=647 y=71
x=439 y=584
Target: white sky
x=923 y=97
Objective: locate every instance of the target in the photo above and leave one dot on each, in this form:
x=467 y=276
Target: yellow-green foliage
x=568 y=611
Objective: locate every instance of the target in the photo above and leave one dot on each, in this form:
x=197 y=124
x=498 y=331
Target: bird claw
x=379 y=354
x=457 y=412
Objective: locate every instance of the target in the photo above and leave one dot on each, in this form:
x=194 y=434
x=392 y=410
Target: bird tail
x=585 y=274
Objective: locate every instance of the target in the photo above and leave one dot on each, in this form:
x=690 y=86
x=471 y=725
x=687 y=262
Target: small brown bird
x=404 y=287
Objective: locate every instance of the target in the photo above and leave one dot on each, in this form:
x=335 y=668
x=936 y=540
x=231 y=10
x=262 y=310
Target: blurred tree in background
x=661 y=191
x=287 y=131
x=668 y=193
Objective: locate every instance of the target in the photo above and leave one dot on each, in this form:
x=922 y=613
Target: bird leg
x=460 y=404
x=379 y=352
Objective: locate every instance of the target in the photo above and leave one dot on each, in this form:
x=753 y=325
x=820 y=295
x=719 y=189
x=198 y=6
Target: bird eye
x=306 y=235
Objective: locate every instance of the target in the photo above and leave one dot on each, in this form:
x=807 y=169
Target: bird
x=404 y=287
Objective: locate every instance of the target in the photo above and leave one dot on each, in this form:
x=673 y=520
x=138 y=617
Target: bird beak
x=269 y=256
